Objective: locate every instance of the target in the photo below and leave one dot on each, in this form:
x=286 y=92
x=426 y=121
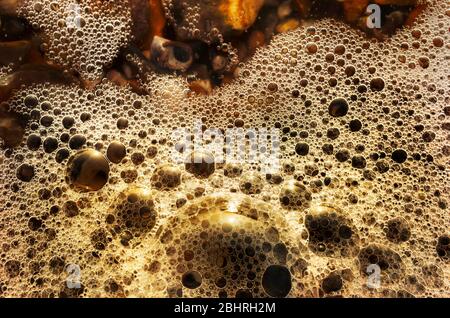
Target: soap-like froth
x=363 y=176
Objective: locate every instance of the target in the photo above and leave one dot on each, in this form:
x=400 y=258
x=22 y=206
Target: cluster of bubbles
x=196 y=19
x=84 y=36
x=363 y=180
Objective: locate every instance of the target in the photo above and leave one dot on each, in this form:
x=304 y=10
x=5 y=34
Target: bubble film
x=101 y=196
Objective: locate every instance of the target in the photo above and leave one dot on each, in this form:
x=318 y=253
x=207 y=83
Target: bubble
x=224 y=236
x=61 y=155
x=398 y=230
x=358 y=162
x=67 y=292
x=71 y=209
x=77 y=141
x=331 y=233
x=31 y=101
x=88 y=170
x=12 y=268
x=428 y=136
x=166 y=177
x=137 y=158
x=338 y=107
x=339 y=49
x=377 y=84
x=25 y=172
x=328 y=149
x=443 y=247
x=302 y=149
x=311 y=48
x=50 y=144
x=274 y=178
x=295 y=195
x=276 y=281
x=342 y=155
x=243 y=293
x=34 y=223
x=56 y=265
x=200 y=164
x=332 y=283
x=99 y=239
x=122 y=123
x=93 y=172
x=251 y=183
x=232 y=170
x=133 y=210
x=191 y=279
x=389 y=261
x=355 y=125
x=333 y=133
x=34 y=142
x=68 y=122
x=116 y=152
